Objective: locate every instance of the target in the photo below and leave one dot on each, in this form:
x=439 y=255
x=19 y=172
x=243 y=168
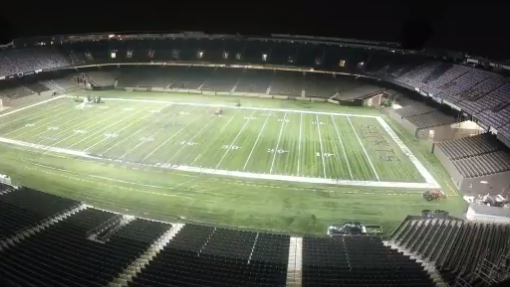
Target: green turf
x=158 y=134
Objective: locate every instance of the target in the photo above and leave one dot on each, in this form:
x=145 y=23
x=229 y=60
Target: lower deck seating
x=26 y=207
x=358 y=261
x=456 y=247
x=207 y=256
x=61 y=255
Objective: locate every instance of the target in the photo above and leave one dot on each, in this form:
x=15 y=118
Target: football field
x=251 y=142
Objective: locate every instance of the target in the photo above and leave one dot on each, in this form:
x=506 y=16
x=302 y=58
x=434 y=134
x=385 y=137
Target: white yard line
x=142 y=142
x=317 y=121
x=236 y=173
x=33 y=105
x=20 y=118
x=107 y=127
x=235 y=139
x=46 y=116
x=69 y=128
x=242 y=108
x=117 y=132
x=277 y=144
x=419 y=166
x=364 y=150
x=168 y=139
x=299 y=143
x=343 y=147
x=217 y=137
x=256 y=141
x=189 y=140
x=88 y=127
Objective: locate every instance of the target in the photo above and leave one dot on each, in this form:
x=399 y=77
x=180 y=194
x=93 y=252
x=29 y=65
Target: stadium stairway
x=139 y=264
x=30 y=231
x=435 y=275
x=295 y=266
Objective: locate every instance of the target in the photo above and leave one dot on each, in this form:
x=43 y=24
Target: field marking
x=118 y=131
x=242 y=108
x=17 y=119
x=38 y=121
x=277 y=144
x=107 y=127
x=234 y=173
x=33 y=105
x=72 y=127
x=343 y=147
x=256 y=141
x=299 y=142
x=363 y=148
x=217 y=136
x=320 y=143
x=235 y=139
x=184 y=146
x=419 y=166
x=167 y=140
x=74 y=134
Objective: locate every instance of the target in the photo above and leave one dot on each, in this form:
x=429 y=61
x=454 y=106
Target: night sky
x=481 y=28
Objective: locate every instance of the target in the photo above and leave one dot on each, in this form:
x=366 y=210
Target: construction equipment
x=430 y=195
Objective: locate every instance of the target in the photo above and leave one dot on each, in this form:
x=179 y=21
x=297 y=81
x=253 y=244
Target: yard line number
x=272 y=150
x=325 y=154
x=232 y=147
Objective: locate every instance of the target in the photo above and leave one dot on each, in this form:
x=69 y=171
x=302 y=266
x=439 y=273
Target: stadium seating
x=431 y=119
x=22 y=208
x=208 y=256
x=358 y=261
x=254 y=81
x=287 y=83
x=62 y=255
x=469 y=146
x=455 y=247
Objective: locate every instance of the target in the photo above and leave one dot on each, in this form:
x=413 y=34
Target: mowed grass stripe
x=136 y=147
x=212 y=151
x=122 y=137
x=389 y=160
x=93 y=125
x=311 y=148
x=177 y=122
x=360 y=166
x=192 y=147
x=77 y=120
x=336 y=164
x=57 y=115
x=226 y=139
x=109 y=127
x=287 y=156
x=235 y=156
x=260 y=161
x=20 y=118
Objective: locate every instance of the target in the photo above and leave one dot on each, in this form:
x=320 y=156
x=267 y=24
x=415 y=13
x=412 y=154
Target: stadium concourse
x=217 y=160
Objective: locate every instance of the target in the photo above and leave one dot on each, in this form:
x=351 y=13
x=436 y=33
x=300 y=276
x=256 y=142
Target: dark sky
x=481 y=27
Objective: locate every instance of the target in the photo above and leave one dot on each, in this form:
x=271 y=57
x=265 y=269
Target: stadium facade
x=461 y=111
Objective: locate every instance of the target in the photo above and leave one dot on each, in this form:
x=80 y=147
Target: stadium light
x=264 y=57
x=200 y=54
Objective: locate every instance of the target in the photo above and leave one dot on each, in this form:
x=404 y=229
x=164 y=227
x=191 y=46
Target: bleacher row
x=239 y=80
x=454 y=246
x=481 y=93
x=476 y=156
x=66 y=252
x=423 y=116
